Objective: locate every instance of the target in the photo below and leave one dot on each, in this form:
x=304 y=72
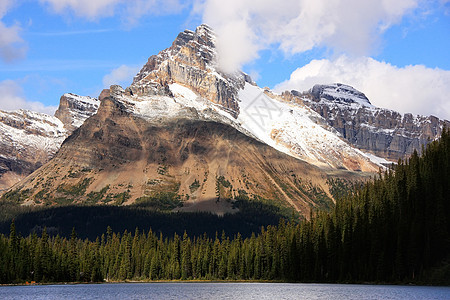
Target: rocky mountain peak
x=73 y=110
x=191 y=61
x=339 y=93
x=379 y=131
x=200 y=42
x=203 y=36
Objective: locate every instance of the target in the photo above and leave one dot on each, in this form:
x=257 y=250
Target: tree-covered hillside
x=394 y=229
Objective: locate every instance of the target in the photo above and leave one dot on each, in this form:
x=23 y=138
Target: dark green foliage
x=194 y=186
x=394 y=229
x=91 y=221
x=340 y=188
x=162 y=170
x=223 y=189
x=164 y=201
x=95 y=197
x=16 y=195
x=75 y=190
x=121 y=198
x=255 y=206
x=222 y=181
x=10 y=210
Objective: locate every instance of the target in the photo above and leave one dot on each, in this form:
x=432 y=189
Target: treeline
x=394 y=229
x=92 y=221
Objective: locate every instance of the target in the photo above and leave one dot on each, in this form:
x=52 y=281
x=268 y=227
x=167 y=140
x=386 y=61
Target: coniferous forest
x=394 y=229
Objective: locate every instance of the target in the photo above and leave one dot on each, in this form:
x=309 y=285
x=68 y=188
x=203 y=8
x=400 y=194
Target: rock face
x=191 y=61
x=30 y=139
x=73 y=110
x=339 y=93
x=118 y=156
x=383 y=132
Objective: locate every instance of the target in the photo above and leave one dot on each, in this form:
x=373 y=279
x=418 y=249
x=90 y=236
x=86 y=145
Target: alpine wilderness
x=196 y=173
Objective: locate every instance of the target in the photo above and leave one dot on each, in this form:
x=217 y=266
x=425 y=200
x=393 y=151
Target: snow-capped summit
x=30 y=139
x=339 y=93
x=185 y=80
x=383 y=132
x=191 y=61
x=73 y=110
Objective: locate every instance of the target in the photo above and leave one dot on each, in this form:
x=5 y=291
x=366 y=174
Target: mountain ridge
x=380 y=131
x=120 y=152
x=118 y=157
x=30 y=139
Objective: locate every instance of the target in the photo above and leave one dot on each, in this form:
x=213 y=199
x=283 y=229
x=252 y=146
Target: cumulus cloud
x=130 y=10
x=415 y=88
x=12 y=98
x=12 y=46
x=295 y=26
x=122 y=75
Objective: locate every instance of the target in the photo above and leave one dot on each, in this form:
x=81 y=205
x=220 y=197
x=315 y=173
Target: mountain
x=187 y=136
x=30 y=139
x=383 y=132
x=178 y=134
x=73 y=110
x=119 y=156
x=189 y=70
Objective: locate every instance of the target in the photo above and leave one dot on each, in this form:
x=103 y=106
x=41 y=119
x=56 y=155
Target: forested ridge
x=394 y=229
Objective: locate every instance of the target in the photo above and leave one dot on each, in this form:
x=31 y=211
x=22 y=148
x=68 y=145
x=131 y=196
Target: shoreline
x=221 y=281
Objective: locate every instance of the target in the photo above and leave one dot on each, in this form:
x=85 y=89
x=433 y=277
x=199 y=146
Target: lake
x=227 y=290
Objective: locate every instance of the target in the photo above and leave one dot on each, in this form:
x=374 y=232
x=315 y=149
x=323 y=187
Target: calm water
x=208 y=291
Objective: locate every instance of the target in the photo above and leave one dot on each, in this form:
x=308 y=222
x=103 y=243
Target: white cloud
x=122 y=75
x=90 y=9
x=416 y=89
x=12 y=46
x=295 y=26
x=135 y=9
x=130 y=10
x=5 y=5
x=12 y=98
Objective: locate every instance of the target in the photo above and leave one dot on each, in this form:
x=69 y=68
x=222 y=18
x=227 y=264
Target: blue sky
x=397 y=53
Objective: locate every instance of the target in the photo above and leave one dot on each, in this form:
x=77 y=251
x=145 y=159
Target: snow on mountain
x=340 y=93
x=382 y=132
x=24 y=130
x=290 y=128
x=29 y=139
x=73 y=110
x=188 y=72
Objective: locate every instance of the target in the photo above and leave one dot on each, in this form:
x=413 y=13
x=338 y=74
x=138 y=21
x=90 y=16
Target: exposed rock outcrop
x=383 y=132
x=73 y=110
x=191 y=61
